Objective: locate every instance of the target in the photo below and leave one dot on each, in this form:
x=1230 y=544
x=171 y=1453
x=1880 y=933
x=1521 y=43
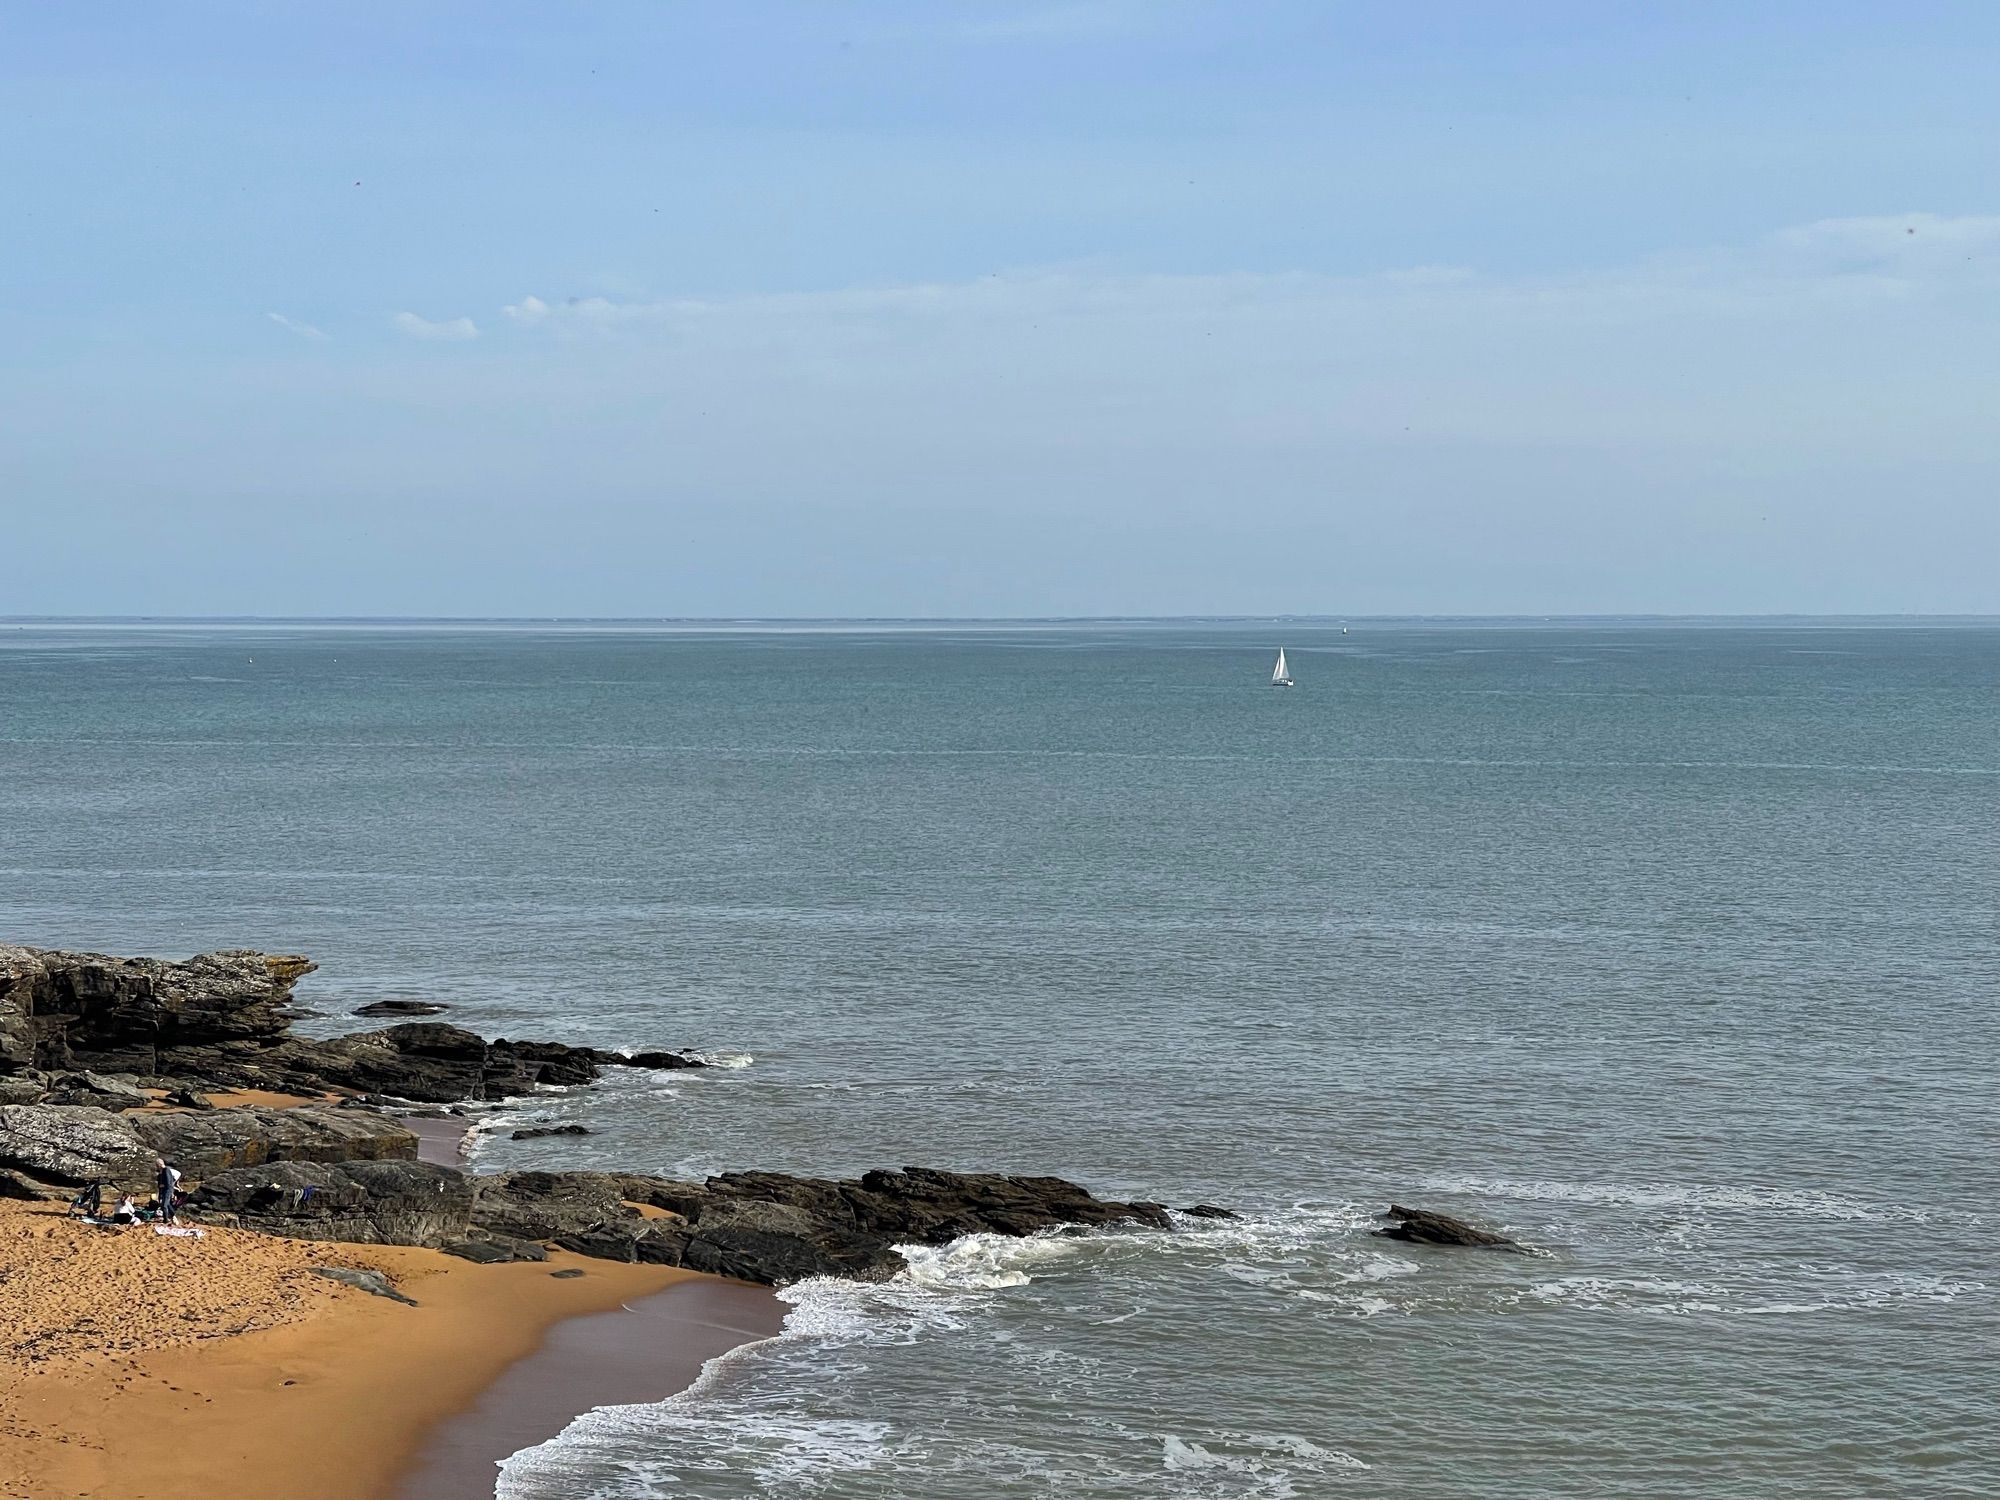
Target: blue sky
x=932 y=309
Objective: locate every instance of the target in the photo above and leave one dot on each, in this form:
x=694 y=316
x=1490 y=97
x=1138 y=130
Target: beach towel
x=180 y=1231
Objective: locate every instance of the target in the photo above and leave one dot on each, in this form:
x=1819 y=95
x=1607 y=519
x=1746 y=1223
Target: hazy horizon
x=1028 y=310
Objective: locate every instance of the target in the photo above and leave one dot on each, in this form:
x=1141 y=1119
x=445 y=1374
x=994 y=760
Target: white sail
x=1278 y=673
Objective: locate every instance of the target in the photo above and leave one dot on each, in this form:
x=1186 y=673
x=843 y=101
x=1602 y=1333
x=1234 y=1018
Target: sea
x=1669 y=947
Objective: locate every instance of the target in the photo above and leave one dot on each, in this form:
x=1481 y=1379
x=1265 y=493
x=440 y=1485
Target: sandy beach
x=141 y=1367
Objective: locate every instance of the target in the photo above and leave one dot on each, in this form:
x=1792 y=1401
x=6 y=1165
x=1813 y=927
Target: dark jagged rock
x=97 y=1091
x=768 y=1227
x=19 y=1185
x=222 y=1139
x=23 y=1088
x=1419 y=1226
x=402 y=1008
x=71 y=1010
x=372 y=1282
x=424 y=1062
x=70 y=1145
x=538 y=1132
x=1209 y=1211
x=223 y=1020
x=185 y=1098
x=366 y=1202
x=549 y=1205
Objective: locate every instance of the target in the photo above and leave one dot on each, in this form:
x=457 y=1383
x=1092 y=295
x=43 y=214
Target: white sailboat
x=1280 y=675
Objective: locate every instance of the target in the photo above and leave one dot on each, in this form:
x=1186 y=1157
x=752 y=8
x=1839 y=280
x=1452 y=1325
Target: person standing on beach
x=170 y=1179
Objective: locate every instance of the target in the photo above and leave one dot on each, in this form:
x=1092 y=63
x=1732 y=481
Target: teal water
x=1673 y=948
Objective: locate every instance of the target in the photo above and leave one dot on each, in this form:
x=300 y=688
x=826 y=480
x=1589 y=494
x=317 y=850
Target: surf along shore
x=136 y=1365
x=470 y=1315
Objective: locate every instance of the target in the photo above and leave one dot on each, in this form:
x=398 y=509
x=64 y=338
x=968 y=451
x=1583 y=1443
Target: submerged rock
x=538 y=1132
x=402 y=1008
x=657 y=1060
x=1421 y=1227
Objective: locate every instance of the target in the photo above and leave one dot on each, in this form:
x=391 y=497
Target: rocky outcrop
x=23 y=1088
x=223 y=1020
x=69 y=1145
x=71 y=1010
x=362 y=1202
x=220 y=1140
x=772 y=1228
x=428 y=1062
x=495 y=1250
x=402 y=1008
x=97 y=1091
x=100 y=1031
x=541 y=1132
x=1419 y=1226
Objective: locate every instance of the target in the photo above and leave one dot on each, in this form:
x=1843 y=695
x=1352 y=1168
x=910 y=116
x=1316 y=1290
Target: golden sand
x=136 y=1366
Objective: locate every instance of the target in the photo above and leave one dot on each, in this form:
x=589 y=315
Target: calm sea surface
x=1673 y=949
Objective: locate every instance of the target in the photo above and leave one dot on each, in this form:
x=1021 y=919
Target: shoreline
x=318 y=1390
x=639 y=1353
x=351 y=1313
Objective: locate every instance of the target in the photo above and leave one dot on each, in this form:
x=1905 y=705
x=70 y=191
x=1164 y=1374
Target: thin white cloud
x=1865 y=260
x=294 y=326
x=452 y=330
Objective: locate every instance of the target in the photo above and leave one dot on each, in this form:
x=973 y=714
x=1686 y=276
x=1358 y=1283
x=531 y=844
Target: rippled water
x=1673 y=949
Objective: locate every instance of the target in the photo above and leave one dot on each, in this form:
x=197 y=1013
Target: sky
x=1086 y=307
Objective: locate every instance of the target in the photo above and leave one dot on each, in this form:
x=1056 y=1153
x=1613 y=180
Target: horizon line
x=725 y=621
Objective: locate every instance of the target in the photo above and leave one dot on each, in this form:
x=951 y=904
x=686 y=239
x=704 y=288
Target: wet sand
x=643 y=1352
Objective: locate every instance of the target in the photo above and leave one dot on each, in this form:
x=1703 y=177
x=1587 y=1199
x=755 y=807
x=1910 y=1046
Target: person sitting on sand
x=170 y=1179
x=125 y=1213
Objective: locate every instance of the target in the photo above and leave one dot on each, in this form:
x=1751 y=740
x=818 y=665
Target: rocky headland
x=109 y=1063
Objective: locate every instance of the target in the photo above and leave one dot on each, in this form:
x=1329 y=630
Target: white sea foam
x=983 y=1262
x=1804 y=1202
x=1270 y=1467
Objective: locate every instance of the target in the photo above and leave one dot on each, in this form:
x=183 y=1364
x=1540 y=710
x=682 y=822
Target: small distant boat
x=1280 y=675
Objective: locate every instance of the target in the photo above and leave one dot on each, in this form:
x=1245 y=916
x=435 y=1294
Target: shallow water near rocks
x=1670 y=949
